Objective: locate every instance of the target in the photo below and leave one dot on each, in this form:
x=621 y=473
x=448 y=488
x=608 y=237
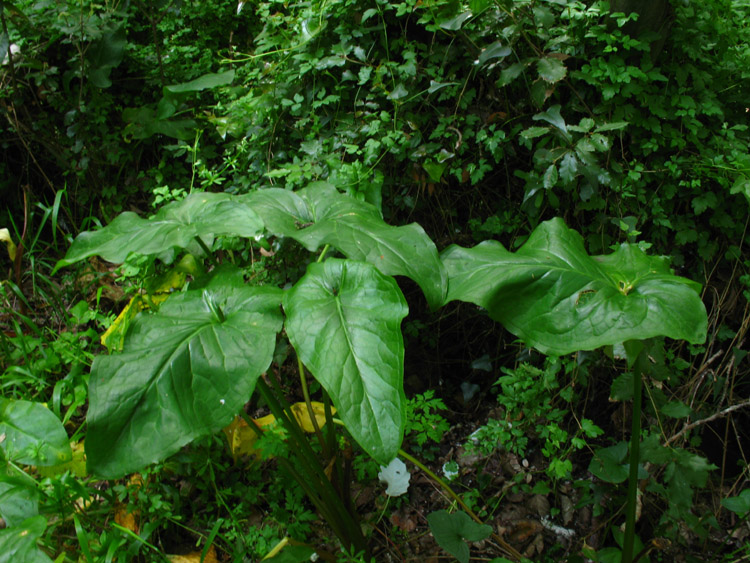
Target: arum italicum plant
x=187 y=369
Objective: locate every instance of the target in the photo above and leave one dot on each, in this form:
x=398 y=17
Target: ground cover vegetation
x=260 y=255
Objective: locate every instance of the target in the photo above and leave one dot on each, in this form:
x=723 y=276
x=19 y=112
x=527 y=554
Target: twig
x=688 y=427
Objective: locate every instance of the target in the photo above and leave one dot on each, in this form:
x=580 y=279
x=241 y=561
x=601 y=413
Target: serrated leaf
x=550 y=177
x=611 y=126
x=319 y=215
x=676 y=409
x=31 y=434
x=509 y=74
x=551 y=70
x=18 y=544
x=741 y=186
x=174 y=226
x=534 y=132
x=558 y=299
x=452 y=531
x=343 y=319
x=568 y=167
x=184 y=373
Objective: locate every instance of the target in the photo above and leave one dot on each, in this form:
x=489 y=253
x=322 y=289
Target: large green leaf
x=31 y=434
x=175 y=225
x=19 y=496
x=344 y=320
x=184 y=372
x=558 y=299
x=18 y=544
x=319 y=214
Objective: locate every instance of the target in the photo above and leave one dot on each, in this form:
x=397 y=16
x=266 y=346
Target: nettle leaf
x=184 y=373
x=344 y=321
x=558 y=299
x=550 y=69
x=175 y=225
x=319 y=215
x=32 y=434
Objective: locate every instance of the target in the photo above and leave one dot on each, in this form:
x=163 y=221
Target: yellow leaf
x=76 y=465
x=195 y=557
x=114 y=337
x=242 y=438
x=127 y=519
x=5 y=237
x=303 y=415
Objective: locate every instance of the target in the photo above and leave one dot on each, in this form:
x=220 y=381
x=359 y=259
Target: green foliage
x=453 y=531
x=559 y=299
x=529 y=397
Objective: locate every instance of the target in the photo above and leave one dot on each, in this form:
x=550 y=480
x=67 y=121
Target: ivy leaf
x=184 y=373
x=343 y=319
x=608 y=463
x=558 y=299
x=175 y=225
x=551 y=70
x=319 y=215
x=31 y=434
x=452 y=531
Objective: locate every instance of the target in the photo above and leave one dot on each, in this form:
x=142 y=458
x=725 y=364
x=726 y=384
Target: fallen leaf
x=195 y=557
x=303 y=415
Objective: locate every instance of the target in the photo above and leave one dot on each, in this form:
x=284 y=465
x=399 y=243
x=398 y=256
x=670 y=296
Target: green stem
x=635 y=443
x=310 y=411
x=207 y=250
x=507 y=547
x=313 y=478
x=323 y=252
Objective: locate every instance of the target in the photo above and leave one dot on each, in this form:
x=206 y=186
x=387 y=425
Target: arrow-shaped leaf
x=185 y=372
x=344 y=320
x=558 y=299
x=175 y=225
x=319 y=215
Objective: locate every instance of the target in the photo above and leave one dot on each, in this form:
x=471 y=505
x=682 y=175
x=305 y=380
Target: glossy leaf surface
x=18 y=544
x=32 y=434
x=319 y=215
x=184 y=372
x=558 y=299
x=19 y=496
x=344 y=320
x=174 y=226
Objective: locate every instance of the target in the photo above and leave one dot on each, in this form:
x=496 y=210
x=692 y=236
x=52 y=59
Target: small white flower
x=222 y=401
x=396 y=476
